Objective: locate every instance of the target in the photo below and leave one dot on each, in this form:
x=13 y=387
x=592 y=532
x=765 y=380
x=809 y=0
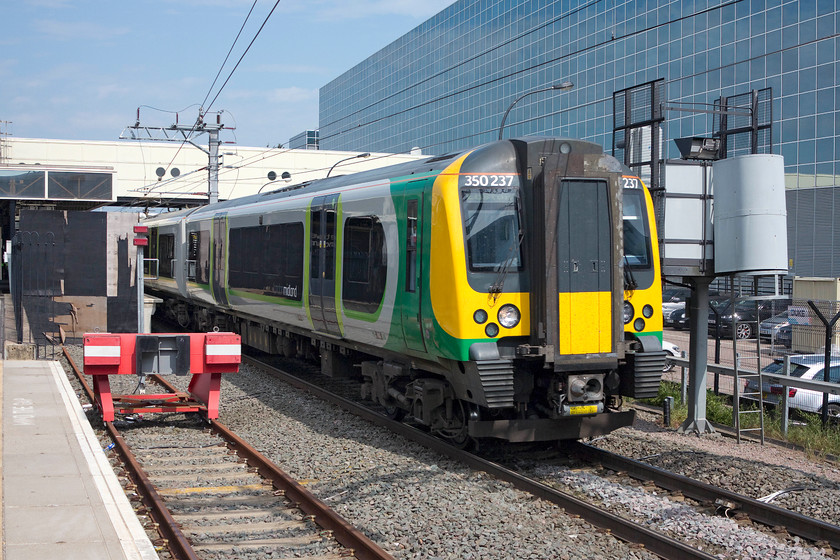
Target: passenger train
x=509 y=291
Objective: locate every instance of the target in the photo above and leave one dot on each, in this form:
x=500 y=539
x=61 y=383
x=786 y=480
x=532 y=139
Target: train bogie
x=480 y=294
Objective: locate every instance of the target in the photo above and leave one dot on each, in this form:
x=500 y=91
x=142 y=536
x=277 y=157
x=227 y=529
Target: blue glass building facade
x=306 y=140
x=445 y=85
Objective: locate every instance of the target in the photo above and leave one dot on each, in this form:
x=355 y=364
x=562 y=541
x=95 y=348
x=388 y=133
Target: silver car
x=776 y=329
x=804 y=366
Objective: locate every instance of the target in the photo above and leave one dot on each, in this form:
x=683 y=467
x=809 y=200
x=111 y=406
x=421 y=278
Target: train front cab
x=553 y=374
x=574 y=202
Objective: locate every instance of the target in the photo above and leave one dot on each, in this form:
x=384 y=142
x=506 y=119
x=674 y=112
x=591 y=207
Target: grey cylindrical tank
x=750 y=217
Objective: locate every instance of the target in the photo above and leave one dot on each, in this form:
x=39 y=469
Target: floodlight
x=698 y=147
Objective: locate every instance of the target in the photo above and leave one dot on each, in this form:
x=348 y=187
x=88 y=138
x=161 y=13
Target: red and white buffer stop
x=204 y=356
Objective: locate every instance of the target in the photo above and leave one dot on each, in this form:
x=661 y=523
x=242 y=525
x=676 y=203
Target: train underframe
x=462 y=402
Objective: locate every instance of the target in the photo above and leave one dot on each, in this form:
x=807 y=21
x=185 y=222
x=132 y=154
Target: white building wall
x=244 y=169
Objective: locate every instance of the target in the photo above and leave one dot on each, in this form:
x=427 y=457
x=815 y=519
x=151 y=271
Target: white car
x=804 y=366
x=672 y=350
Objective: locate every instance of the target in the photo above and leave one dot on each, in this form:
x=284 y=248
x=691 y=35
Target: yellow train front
x=526 y=290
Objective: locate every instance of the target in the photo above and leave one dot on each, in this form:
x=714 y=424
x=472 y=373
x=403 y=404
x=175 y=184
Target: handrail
x=814 y=385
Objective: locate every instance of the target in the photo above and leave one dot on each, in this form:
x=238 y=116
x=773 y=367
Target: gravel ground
x=749 y=468
x=416 y=504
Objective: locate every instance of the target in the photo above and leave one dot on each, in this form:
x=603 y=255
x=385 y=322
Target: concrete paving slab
x=60 y=496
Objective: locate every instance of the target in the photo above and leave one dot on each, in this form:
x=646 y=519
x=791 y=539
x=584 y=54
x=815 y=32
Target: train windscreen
x=491 y=226
x=637 y=251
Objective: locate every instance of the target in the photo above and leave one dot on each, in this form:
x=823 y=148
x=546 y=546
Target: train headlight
x=639 y=324
x=509 y=316
x=480 y=316
x=647 y=311
x=492 y=330
x=628 y=312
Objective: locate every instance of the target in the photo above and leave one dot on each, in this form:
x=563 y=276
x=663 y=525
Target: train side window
x=284 y=260
x=329 y=245
x=198 y=256
x=192 y=255
x=315 y=245
x=365 y=264
x=166 y=254
x=245 y=258
x=267 y=259
x=203 y=275
x=411 y=247
x=235 y=268
x=148 y=268
x=293 y=261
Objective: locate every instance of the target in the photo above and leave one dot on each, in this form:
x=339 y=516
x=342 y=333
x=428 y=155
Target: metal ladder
x=739 y=378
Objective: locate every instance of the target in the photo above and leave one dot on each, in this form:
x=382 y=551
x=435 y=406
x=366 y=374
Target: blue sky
x=76 y=69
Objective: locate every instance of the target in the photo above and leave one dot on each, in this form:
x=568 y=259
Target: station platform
x=60 y=496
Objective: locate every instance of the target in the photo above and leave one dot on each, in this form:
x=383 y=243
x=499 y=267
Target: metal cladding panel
x=687 y=234
x=750 y=215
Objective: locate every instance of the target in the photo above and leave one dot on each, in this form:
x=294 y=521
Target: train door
x=584 y=267
x=219 y=276
x=322 y=263
x=412 y=290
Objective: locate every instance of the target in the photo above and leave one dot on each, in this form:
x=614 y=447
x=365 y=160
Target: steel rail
x=176 y=541
x=349 y=536
x=623 y=529
x=762 y=512
x=346 y=534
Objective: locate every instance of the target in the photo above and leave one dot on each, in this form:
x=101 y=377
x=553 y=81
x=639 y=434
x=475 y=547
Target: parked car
x=679 y=295
x=671 y=306
x=746 y=314
x=675 y=295
x=784 y=336
x=776 y=329
x=677 y=318
x=804 y=366
x=673 y=300
x=674 y=351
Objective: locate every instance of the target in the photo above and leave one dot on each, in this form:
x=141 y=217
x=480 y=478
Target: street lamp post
x=364 y=155
x=565 y=86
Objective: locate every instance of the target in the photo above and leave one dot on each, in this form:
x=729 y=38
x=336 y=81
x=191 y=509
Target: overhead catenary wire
x=203 y=111
x=257 y=34
x=227 y=56
x=195 y=182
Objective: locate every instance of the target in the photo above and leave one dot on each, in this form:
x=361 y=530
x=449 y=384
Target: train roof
x=430 y=165
x=421 y=167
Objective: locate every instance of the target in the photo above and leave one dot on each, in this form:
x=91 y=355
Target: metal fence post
x=784 y=402
x=829 y=329
x=667 y=406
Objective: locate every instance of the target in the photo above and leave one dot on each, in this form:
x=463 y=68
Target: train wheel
x=394 y=412
x=458 y=433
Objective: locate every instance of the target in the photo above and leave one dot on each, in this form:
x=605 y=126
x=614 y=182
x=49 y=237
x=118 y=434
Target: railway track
x=629 y=531
x=212 y=495
x=710 y=497
x=730 y=503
